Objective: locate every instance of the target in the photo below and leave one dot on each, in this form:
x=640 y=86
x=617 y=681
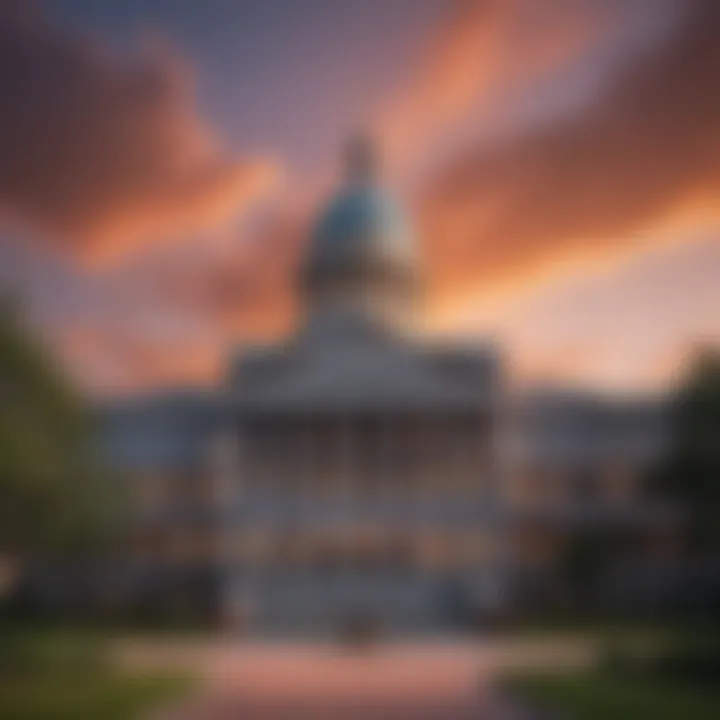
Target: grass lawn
x=103 y=695
x=67 y=674
x=599 y=696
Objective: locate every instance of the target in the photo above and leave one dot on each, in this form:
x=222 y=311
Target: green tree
x=52 y=498
x=691 y=476
x=588 y=556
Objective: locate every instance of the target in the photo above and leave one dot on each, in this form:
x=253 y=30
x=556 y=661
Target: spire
x=360 y=159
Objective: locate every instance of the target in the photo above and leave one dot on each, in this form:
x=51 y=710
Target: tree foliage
x=692 y=474
x=52 y=497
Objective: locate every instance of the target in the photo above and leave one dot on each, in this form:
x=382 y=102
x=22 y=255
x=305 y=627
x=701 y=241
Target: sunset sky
x=161 y=161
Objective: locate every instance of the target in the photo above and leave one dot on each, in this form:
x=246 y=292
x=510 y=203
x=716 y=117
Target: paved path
x=318 y=682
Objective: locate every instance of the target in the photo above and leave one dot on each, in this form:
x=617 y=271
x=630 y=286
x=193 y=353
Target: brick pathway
x=329 y=683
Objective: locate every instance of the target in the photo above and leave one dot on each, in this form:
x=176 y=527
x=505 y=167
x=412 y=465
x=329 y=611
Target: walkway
x=315 y=682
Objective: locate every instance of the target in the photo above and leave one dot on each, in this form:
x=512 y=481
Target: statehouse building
x=358 y=468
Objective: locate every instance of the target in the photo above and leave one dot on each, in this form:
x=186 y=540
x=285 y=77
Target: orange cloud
x=593 y=182
x=486 y=54
x=113 y=361
x=103 y=154
x=247 y=288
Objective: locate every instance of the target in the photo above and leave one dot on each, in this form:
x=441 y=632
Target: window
x=587 y=488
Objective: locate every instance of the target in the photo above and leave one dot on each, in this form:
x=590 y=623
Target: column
x=306 y=465
x=385 y=470
x=433 y=466
x=346 y=471
x=428 y=479
x=470 y=470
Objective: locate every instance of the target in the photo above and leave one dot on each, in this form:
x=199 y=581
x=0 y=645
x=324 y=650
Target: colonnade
x=364 y=456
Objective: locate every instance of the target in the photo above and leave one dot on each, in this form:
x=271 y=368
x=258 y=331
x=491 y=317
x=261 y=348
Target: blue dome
x=361 y=261
x=361 y=228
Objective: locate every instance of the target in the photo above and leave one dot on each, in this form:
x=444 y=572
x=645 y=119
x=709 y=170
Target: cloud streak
x=104 y=155
x=643 y=152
